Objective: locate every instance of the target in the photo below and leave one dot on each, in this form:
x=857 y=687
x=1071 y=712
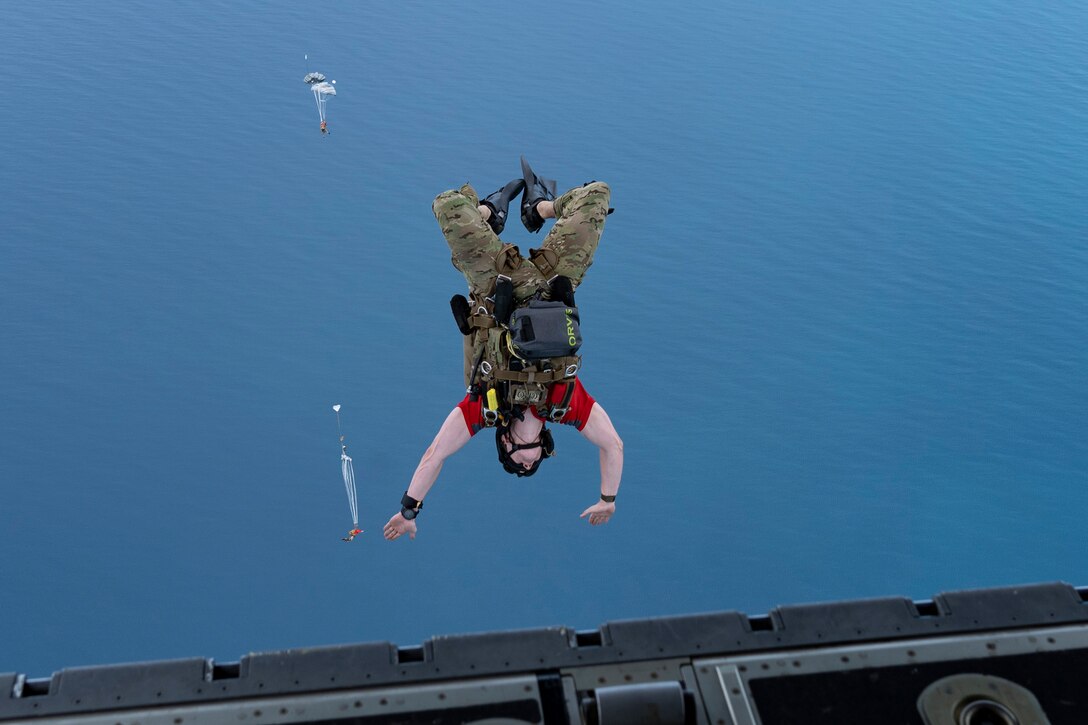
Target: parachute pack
x=544 y=329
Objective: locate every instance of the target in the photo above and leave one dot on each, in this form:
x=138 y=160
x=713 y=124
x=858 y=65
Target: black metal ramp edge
x=325 y=669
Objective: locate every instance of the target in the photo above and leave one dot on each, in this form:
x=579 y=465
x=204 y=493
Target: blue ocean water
x=838 y=317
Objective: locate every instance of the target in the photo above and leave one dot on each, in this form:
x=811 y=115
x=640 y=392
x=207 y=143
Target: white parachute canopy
x=322 y=89
x=348 y=472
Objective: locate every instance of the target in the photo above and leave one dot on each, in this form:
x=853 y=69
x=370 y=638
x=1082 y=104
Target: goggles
x=545 y=443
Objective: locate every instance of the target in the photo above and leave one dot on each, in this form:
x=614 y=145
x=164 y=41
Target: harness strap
x=530 y=376
x=563 y=368
x=557 y=412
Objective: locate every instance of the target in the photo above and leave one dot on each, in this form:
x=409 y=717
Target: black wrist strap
x=608 y=499
x=410 y=503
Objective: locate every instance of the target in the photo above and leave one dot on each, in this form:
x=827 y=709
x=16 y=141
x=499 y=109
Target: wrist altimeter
x=410 y=507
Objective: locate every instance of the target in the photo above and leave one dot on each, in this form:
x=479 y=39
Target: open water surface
x=838 y=316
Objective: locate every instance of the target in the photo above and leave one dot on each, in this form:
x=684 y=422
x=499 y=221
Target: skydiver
x=324 y=127
x=352 y=534
x=522 y=439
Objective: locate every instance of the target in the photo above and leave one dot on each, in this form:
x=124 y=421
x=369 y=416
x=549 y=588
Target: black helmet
x=546 y=445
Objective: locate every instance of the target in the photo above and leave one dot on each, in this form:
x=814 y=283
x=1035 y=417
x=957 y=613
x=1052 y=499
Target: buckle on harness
x=485 y=367
x=555 y=415
x=570 y=371
x=558 y=411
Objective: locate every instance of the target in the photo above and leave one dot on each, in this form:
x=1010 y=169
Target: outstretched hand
x=599 y=513
x=399 y=525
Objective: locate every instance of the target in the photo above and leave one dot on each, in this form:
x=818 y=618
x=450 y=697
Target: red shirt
x=581 y=403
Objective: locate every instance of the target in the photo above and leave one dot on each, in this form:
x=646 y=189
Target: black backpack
x=544 y=329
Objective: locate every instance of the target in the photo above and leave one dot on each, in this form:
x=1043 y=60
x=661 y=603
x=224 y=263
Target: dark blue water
x=838 y=316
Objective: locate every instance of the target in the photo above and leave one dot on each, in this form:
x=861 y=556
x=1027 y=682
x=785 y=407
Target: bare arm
x=451 y=437
x=600 y=432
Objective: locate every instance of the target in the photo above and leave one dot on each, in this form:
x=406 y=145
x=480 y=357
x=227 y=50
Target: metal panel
x=511 y=699
x=900 y=664
x=618 y=648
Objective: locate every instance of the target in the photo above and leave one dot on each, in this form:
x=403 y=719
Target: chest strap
x=564 y=368
x=530 y=376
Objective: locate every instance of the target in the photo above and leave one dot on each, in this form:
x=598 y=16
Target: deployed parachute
x=322 y=89
x=349 y=479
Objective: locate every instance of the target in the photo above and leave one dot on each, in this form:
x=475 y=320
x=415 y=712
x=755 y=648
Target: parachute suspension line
x=348 y=472
x=349 y=486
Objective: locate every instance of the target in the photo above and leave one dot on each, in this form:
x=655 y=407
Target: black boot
x=536 y=190
x=499 y=203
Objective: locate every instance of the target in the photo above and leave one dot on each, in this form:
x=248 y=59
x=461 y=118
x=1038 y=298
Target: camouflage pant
x=479 y=254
